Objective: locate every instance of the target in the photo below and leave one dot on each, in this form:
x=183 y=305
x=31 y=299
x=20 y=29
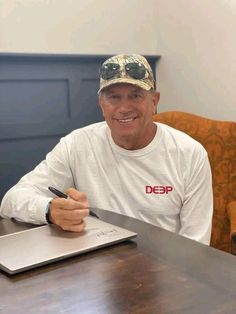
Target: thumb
x=77 y=195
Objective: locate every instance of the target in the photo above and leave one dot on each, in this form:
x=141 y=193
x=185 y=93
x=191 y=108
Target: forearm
x=24 y=204
x=28 y=199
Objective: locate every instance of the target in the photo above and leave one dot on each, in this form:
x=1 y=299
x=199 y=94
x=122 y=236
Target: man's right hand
x=69 y=213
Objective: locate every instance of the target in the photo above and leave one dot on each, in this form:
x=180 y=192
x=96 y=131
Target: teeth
x=125 y=120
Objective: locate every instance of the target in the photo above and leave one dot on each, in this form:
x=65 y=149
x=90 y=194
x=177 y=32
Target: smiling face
x=128 y=111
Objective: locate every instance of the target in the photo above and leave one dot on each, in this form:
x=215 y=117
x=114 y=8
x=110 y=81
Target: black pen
x=62 y=195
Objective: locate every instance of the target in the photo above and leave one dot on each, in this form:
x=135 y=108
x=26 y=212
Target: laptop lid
x=39 y=246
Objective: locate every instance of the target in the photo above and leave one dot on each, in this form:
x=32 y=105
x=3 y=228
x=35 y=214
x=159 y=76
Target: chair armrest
x=231 y=210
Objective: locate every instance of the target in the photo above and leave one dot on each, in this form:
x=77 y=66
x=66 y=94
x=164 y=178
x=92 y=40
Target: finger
x=74 y=215
x=68 y=204
x=74 y=227
x=77 y=195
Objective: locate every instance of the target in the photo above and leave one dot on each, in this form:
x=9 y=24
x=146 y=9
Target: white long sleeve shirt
x=167 y=183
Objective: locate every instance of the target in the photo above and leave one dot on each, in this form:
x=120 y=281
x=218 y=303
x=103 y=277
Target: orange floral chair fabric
x=219 y=140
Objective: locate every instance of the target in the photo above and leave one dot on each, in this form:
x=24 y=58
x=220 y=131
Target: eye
x=114 y=96
x=136 y=96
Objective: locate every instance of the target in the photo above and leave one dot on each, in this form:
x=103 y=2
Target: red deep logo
x=158 y=189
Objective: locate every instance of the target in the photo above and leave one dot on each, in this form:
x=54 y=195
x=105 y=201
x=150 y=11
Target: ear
x=156 y=98
x=100 y=102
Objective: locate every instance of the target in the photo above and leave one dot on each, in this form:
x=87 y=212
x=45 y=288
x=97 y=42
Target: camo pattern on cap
x=122 y=76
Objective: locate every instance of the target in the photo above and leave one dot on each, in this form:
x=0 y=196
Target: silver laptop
x=45 y=244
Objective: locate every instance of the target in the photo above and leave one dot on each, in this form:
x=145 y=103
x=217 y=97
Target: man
x=128 y=164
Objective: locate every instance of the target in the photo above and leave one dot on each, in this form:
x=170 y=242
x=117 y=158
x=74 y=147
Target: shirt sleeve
x=196 y=212
x=27 y=200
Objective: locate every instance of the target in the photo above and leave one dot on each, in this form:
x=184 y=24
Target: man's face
x=128 y=112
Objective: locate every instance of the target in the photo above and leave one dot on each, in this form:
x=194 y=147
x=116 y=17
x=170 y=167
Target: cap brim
x=120 y=80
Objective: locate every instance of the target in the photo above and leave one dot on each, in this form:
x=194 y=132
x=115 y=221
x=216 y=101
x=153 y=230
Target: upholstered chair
x=219 y=140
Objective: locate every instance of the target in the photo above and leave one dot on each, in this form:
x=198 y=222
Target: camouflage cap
x=132 y=69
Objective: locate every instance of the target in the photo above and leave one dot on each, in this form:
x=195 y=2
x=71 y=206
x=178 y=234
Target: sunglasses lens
x=135 y=70
x=109 y=70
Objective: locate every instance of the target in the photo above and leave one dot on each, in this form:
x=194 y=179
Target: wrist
x=47 y=213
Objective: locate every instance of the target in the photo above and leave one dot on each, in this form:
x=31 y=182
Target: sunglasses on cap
x=133 y=69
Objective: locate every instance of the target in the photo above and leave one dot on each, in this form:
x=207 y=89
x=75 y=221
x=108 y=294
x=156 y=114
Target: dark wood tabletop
x=157 y=272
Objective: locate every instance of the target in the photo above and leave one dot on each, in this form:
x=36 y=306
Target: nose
x=125 y=105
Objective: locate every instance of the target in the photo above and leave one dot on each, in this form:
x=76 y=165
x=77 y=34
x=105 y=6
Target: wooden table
x=158 y=272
